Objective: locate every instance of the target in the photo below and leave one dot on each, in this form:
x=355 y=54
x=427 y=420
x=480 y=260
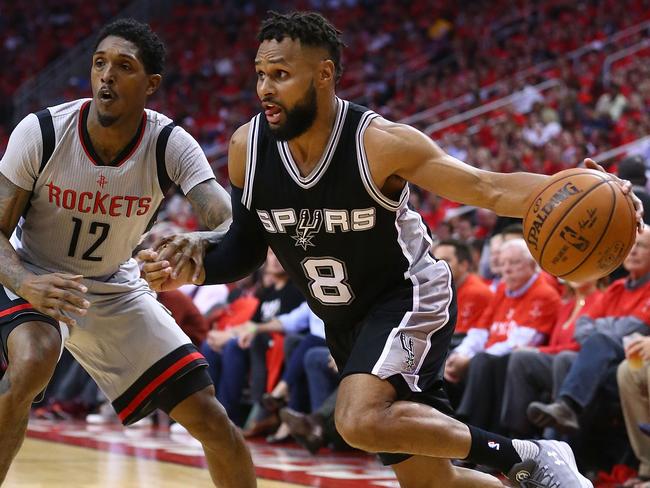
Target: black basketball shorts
x=407 y=347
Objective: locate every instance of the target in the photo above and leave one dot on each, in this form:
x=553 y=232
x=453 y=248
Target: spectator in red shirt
x=537 y=371
x=623 y=310
x=187 y=316
x=521 y=314
x=472 y=294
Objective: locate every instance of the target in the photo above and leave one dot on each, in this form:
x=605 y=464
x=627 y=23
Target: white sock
x=525 y=449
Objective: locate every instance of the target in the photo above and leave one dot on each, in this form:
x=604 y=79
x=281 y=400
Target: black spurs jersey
x=343 y=242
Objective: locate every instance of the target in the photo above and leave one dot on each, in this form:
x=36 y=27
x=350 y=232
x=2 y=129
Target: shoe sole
x=567 y=454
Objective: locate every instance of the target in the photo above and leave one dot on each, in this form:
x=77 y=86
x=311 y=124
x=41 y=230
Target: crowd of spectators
x=519 y=359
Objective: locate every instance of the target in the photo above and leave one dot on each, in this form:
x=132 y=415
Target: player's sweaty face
x=118 y=78
x=285 y=86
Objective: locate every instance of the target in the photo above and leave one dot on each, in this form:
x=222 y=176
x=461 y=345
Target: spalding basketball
x=579 y=225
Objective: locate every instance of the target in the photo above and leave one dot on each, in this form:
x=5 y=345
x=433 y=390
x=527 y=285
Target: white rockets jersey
x=86 y=217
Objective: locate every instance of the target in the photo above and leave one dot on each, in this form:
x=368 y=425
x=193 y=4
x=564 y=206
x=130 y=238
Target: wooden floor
x=43 y=464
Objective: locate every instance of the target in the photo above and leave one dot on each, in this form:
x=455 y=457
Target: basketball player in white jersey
x=85 y=179
x=323 y=182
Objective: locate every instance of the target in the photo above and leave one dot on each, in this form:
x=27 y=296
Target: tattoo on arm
x=212 y=204
x=13 y=201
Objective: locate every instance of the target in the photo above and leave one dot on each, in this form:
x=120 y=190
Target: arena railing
x=638 y=146
x=619 y=55
x=485 y=92
x=487 y=107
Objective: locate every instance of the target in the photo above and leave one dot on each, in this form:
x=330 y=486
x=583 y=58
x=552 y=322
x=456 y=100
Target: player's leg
x=142 y=360
x=370 y=417
x=33 y=349
x=427 y=472
x=228 y=458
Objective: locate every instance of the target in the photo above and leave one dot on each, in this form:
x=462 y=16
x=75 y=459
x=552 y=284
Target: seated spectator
x=316 y=430
x=230 y=364
x=293 y=390
x=623 y=310
x=633 y=169
x=472 y=294
x=186 y=314
x=521 y=314
x=206 y=298
x=535 y=373
x=491 y=261
x=634 y=388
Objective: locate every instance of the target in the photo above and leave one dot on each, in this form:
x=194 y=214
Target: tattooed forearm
x=12 y=204
x=212 y=204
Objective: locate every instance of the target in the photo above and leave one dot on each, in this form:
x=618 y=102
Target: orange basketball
x=579 y=225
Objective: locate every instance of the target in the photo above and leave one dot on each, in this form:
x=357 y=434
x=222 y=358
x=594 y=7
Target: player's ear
x=154 y=83
x=326 y=72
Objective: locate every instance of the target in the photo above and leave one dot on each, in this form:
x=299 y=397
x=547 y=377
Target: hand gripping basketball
x=581 y=223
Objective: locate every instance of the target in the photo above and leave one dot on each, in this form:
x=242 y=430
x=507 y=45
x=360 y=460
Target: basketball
x=579 y=225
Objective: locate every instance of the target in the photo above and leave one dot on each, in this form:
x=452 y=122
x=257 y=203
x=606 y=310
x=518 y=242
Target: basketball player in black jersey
x=324 y=183
x=38 y=303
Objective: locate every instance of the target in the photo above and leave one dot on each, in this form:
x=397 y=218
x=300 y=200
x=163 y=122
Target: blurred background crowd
x=506 y=85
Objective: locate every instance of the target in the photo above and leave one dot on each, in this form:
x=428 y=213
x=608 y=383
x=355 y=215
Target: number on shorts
x=327 y=280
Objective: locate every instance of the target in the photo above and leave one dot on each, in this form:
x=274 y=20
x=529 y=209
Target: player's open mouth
x=272 y=113
x=106 y=95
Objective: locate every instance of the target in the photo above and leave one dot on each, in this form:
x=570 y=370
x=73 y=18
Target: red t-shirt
x=473 y=298
x=562 y=336
x=536 y=308
x=618 y=301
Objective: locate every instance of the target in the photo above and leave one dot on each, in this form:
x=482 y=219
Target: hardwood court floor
x=44 y=464
x=59 y=454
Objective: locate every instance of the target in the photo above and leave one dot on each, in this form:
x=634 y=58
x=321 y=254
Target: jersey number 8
x=327 y=281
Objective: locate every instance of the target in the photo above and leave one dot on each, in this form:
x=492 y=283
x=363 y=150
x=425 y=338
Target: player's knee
x=360 y=429
x=31 y=369
x=210 y=420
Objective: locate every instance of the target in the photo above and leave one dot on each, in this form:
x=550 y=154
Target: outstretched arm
x=400 y=150
x=240 y=252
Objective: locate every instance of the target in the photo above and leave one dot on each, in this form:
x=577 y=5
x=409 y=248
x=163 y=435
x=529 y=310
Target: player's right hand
x=57 y=295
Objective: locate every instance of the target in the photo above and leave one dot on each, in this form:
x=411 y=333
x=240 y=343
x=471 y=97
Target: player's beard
x=299 y=119
x=106 y=120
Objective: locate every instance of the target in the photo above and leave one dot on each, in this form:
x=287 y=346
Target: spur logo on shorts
x=309 y=223
x=407 y=345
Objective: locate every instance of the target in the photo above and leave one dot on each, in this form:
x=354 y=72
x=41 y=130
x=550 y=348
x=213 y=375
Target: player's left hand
x=158 y=273
x=626 y=187
x=180 y=250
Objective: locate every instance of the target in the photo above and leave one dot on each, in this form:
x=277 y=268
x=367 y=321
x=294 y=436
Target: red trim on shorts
x=165 y=375
x=17 y=308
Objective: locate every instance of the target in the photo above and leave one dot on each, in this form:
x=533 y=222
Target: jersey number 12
x=95 y=227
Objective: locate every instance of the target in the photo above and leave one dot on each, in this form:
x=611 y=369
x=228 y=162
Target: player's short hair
x=151 y=49
x=310 y=28
x=462 y=250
